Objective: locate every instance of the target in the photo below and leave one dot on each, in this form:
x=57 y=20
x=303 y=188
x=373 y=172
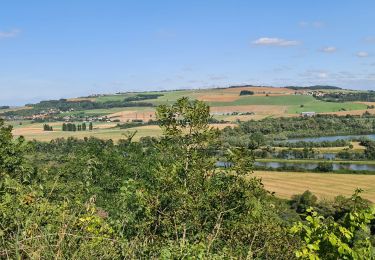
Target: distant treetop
x=316 y=87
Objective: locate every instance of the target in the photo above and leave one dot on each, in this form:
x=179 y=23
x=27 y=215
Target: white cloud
x=362 y=54
x=314 y=73
x=266 y=41
x=9 y=34
x=322 y=75
x=329 y=49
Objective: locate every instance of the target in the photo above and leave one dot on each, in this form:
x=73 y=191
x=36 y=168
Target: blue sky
x=55 y=49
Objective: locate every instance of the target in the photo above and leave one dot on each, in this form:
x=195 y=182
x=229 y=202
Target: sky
x=59 y=49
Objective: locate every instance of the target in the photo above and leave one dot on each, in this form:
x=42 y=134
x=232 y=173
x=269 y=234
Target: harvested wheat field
x=125 y=116
x=223 y=97
x=29 y=130
x=233 y=94
x=323 y=185
x=240 y=117
x=257 y=109
x=261 y=90
x=367 y=103
x=352 y=112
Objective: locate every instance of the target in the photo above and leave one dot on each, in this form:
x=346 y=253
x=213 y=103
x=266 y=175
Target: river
x=313 y=166
x=331 y=138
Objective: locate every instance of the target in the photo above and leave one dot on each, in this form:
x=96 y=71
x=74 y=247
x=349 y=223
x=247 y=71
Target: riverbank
x=302 y=161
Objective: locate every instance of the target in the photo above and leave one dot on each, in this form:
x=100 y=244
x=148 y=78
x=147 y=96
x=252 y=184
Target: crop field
x=353 y=112
x=323 y=185
x=134 y=114
x=266 y=101
x=101 y=130
x=321 y=107
x=226 y=104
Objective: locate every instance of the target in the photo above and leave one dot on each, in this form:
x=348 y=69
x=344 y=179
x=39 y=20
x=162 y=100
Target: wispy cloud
x=9 y=34
x=267 y=41
x=362 y=54
x=316 y=24
x=329 y=49
x=314 y=74
x=217 y=77
x=370 y=39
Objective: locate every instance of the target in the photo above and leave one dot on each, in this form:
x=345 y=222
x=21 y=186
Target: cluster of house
x=72 y=118
x=232 y=113
x=315 y=93
x=56 y=115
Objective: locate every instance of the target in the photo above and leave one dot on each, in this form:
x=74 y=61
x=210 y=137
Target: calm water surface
x=312 y=166
x=331 y=138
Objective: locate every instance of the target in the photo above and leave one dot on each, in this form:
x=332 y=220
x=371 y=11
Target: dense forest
x=66 y=105
x=317 y=87
x=269 y=129
x=368 y=96
x=165 y=198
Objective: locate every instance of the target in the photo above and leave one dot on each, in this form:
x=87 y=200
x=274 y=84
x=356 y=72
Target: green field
x=321 y=107
x=295 y=103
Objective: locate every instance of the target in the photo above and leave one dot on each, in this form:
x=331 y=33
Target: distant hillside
x=317 y=87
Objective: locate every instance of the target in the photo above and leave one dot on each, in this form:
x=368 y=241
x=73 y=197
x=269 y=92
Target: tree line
x=368 y=96
x=66 y=105
x=76 y=127
x=271 y=129
x=47 y=127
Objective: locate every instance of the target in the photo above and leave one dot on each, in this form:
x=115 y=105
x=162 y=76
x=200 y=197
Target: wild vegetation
x=163 y=198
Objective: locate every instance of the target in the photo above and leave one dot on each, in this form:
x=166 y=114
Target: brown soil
x=352 y=112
